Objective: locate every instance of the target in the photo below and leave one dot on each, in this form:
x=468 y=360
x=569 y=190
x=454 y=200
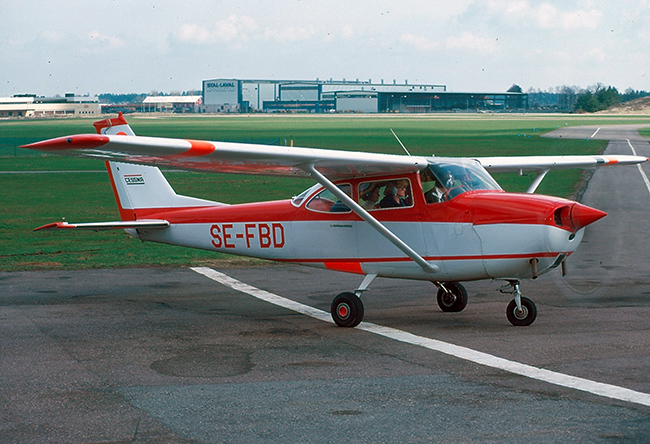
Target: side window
x=433 y=191
x=326 y=202
x=385 y=194
x=297 y=200
x=442 y=185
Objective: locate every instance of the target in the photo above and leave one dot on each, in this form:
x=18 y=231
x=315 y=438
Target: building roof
x=171 y=99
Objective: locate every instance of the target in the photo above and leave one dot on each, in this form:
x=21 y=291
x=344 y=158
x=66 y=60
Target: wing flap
x=97 y=226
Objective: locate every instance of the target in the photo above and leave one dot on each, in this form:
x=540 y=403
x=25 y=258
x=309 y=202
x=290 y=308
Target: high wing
x=227 y=157
x=541 y=163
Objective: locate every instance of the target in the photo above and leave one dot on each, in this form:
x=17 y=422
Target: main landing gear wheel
x=454 y=299
x=523 y=317
x=347 y=310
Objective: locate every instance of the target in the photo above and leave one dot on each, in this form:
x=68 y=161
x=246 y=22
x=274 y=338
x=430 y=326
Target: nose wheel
x=521 y=311
x=523 y=316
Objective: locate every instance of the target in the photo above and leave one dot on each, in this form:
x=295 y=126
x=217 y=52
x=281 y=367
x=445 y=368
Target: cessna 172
x=443 y=220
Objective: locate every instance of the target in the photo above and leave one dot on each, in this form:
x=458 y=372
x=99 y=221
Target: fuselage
x=476 y=234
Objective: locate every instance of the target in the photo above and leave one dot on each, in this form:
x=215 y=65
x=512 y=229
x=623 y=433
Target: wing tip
x=54 y=225
x=79 y=141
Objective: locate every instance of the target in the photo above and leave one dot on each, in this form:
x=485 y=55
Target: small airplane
x=438 y=219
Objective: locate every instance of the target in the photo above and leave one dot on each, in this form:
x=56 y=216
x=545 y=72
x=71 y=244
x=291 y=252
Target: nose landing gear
x=521 y=311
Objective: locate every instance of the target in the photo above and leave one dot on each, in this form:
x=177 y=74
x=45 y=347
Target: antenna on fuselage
x=400 y=142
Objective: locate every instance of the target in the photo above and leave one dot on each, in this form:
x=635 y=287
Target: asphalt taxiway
x=169 y=355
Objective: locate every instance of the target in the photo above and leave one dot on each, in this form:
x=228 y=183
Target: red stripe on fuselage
x=479 y=257
x=479 y=208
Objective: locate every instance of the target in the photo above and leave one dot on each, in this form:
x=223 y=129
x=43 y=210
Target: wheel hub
x=449 y=299
x=343 y=311
x=521 y=314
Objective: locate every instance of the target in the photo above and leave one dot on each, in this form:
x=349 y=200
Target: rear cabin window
x=385 y=194
x=297 y=200
x=327 y=202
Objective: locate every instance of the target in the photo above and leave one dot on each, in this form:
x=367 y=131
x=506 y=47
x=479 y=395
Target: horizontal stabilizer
x=96 y=226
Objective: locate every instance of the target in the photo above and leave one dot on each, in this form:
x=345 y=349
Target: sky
x=51 y=47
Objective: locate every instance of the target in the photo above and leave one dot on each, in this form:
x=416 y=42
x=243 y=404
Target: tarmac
x=171 y=356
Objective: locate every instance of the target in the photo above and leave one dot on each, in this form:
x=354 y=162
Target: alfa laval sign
x=221 y=86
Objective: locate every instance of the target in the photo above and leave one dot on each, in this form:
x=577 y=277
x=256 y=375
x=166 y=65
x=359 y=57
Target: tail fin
x=142 y=190
x=116 y=125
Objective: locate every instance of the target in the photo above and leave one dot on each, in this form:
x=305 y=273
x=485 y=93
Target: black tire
x=527 y=315
x=347 y=310
x=455 y=300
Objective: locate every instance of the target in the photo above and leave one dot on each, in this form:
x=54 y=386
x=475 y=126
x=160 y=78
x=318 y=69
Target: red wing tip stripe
x=81 y=141
x=198 y=148
x=54 y=225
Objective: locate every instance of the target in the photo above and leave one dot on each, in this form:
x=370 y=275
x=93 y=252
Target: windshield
x=297 y=200
x=447 y=179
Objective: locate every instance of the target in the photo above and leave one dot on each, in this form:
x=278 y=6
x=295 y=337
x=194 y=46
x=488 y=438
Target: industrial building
x=28 y=105
x=326 y=96
x=175 y=104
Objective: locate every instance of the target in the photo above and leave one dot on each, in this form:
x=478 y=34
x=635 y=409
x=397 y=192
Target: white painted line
x=638 y=165
x=595 y=132
x=263 y=295
x=540 y=374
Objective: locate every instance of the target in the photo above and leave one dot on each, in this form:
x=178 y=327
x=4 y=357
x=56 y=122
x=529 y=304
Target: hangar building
x=28 y=105
x=176 y=104
x=323 y=96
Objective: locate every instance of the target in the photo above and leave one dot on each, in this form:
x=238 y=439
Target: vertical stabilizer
x=117 y=126
x=139 y=188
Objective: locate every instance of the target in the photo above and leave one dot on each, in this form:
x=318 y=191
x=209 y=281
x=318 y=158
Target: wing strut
x=374 y=223
x=541 y=174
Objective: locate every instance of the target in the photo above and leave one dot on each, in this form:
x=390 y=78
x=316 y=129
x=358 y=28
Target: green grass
x=31 y=200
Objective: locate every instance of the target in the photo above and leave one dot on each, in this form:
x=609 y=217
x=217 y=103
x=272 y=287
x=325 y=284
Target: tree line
x=564 y=98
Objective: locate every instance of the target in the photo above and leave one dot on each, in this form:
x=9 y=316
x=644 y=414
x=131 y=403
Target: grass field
x=36 y=192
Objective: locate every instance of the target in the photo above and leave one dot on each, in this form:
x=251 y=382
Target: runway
x=169 y=355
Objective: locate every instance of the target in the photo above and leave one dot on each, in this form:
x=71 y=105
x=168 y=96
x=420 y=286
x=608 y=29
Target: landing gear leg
x=521 y=311
x=347 y=308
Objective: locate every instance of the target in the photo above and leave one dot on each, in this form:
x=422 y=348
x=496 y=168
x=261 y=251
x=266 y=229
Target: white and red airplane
x=438 y=219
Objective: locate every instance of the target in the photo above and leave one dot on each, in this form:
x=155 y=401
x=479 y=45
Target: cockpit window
x=327 y=202
x=444 y=180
